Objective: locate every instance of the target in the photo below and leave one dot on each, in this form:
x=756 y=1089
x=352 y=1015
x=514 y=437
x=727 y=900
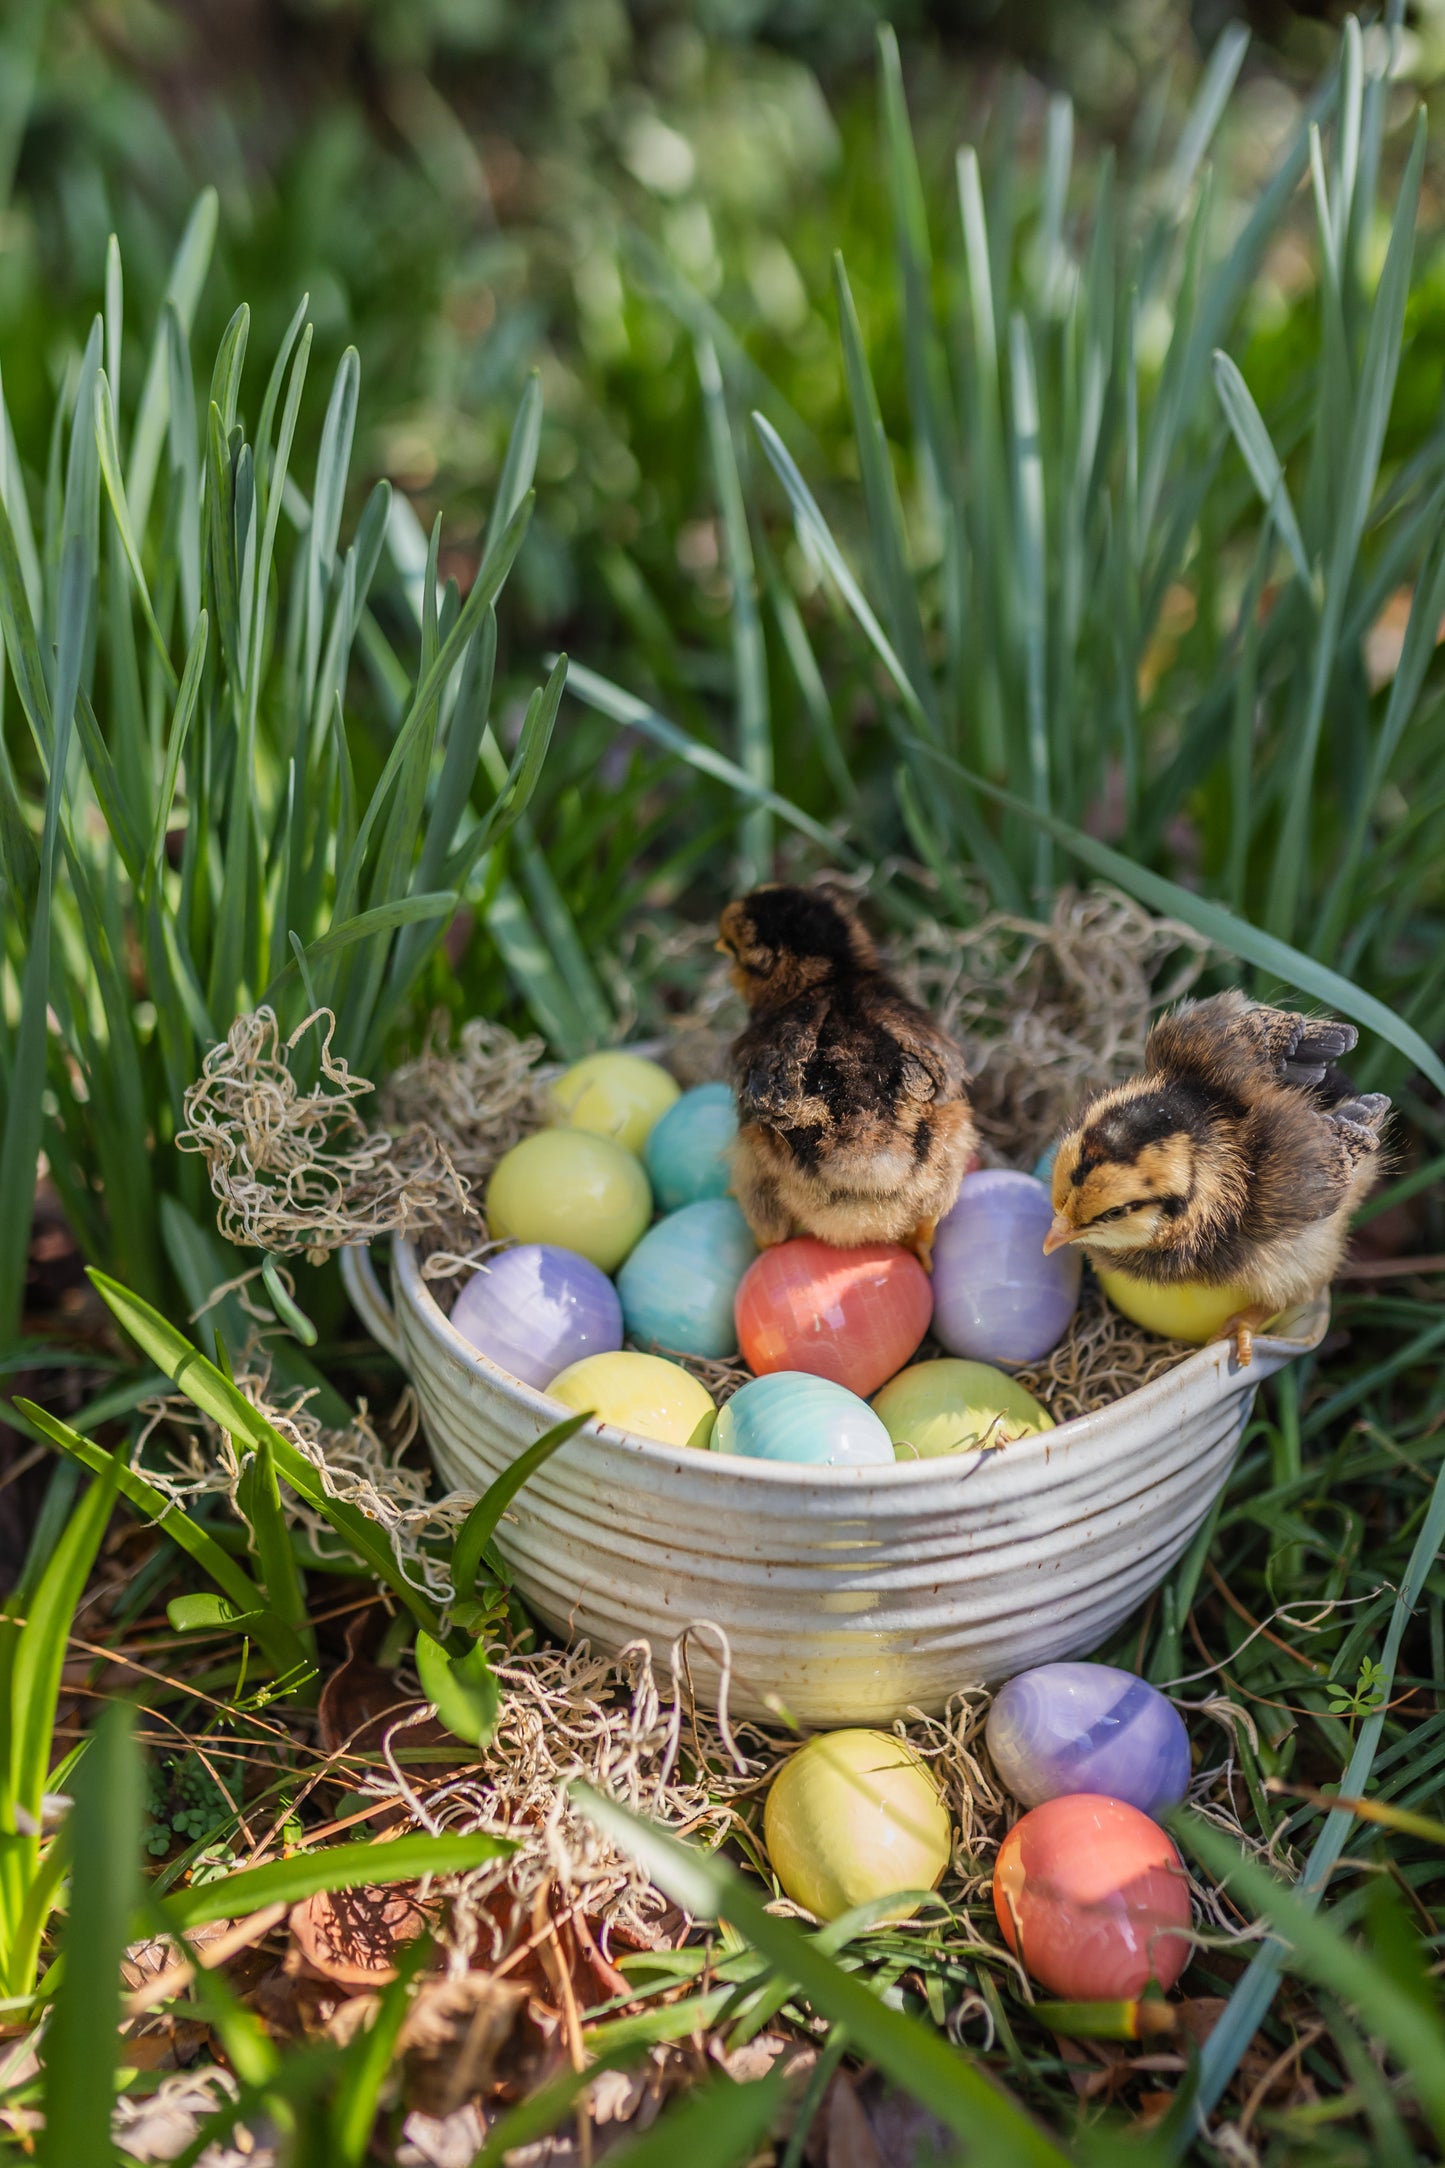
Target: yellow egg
x=645 y=1394
x=853 y=1816
x=581 y=1192
x=1185 y=1312
x=951 y=1406
x=614 y=1095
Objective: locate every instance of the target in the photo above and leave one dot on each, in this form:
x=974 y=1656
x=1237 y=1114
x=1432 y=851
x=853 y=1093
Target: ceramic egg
x=852 y=1816
x=614 y=1095
x=790 y=1415
x=1186 y=1312
x=678 y=1285
x=952 y=1407
x=1043 y=1167
x=573 y=1190
x=537 y=1308
x=1092 y=1896
x=996 y=1297
x=642 y=1393
x=1088 y=1728
x=686 y=1155
x=854 y=1316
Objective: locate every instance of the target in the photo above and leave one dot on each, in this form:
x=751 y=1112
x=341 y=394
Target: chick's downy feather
x=854 y=1122
x=1236 y=1159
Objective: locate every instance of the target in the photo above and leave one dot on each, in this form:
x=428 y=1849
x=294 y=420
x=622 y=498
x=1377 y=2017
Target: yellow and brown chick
x=1235 y=1160
x=853 y=1116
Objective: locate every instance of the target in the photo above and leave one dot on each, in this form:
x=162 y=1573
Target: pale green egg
x=566 y=1186
x=952 y=1407
x=622 y=1096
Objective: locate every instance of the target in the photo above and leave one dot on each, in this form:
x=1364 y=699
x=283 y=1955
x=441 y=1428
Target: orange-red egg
x=1093 y=1896
x=854 y=1316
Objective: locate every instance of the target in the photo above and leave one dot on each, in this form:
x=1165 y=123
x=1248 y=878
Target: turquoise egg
x=678 y=1285
x=686 y=1154
x=1043 y=1167
x=791 y=1415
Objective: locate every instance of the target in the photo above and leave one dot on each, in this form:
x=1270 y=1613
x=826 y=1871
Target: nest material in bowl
x=1044 y=1011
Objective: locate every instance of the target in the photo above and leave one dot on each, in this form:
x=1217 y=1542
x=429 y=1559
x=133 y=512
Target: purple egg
x=537 y=1308
x=996 y=1297
x=1088 y=1728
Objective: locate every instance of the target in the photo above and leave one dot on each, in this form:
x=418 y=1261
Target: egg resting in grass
x=536 y=1308
x=615 y=1095
x=852 y=1816
x=1093 y=1896
x=1182 y=1312
x=949 y=1406
x=572 y=1189
x=996 y=1297
x=854 y=1316
x=1088 y=1728
x=687 y=1153
x=644 y=1394
x=791 y=1415
x=679 y=1284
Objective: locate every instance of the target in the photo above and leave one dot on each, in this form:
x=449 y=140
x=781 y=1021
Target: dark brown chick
x=853 y=1118
x=1235 y=1160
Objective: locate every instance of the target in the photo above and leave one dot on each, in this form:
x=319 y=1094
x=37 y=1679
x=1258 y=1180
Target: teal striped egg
x=791 y=1415
x=678 y=1285
x=686 y=1154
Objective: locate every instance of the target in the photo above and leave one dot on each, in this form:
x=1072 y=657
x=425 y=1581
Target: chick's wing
x=1230 y=1039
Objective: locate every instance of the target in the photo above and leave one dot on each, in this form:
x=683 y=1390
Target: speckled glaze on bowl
x=846 y=1594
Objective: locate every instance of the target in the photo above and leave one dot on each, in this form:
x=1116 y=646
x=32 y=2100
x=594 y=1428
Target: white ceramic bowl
x=846 y=1594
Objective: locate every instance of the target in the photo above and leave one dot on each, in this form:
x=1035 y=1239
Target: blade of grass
x=370 y=1865
x=82 y=2040
x=990 y=2125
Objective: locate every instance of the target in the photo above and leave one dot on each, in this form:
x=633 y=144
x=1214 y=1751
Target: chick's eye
x=1117 y=1211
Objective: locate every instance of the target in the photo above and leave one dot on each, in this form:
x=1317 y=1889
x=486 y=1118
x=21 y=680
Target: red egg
x=1093 y=1897
x=854 y=1316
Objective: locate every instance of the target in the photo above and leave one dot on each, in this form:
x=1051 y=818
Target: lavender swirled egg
x=678 y=1286
x=536 y=1309
x=1088 y=1728
x=996 y=1297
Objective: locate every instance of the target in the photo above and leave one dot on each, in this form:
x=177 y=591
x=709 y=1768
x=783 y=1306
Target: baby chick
x=854 y=1121
x=1236 y=1159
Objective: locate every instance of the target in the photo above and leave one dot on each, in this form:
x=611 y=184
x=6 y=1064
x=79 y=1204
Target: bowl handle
x=358 y=1275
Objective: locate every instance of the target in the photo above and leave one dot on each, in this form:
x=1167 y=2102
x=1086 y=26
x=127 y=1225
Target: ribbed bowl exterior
x=846 y=1595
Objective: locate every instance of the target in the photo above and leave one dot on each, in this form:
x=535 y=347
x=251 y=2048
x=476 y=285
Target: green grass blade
x=258 y=1499
x=480 y=1525
x=750 y=664
x=215 y=1395
x=108 y=451
x=719 y=2125
x=283 y=1649
x=991 y=2126
x=609 y=699
x=82 y=2042
x=337 y=1866
x=1260 y=457
x=1252 y=1995
x=520 y=465
x=1362 y=460
x=1291 y=966
x=1413 y=2034
x=1032 y=579
x=183 y=289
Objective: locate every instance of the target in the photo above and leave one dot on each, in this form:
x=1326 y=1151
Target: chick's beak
x=722 y=947
x=1060 y=1233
